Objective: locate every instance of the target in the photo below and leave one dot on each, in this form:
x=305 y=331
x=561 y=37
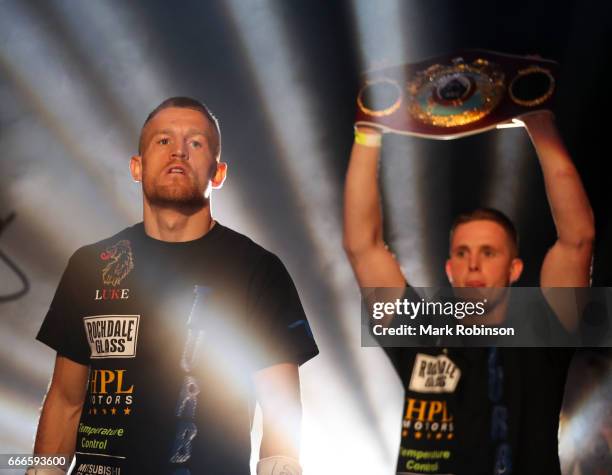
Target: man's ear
x=136 y=168
x=516 y=269
x=449 y=274
x=219 y=176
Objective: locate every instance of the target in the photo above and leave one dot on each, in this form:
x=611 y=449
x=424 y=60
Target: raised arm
x=57 y=428
x=372 y=262
x=568 y=261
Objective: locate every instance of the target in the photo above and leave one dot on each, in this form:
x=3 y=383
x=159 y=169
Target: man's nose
x=179 y=150
x=474 y=262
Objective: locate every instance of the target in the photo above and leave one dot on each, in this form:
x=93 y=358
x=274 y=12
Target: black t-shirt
x=472 y=411
x=172 y=333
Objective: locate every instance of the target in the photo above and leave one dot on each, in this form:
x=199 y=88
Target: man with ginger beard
x=167 y=332
x=489 y=410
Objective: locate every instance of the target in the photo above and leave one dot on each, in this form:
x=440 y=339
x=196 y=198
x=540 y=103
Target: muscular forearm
x=280 y=439
x=57 y=427
x=62 y=408
x=278 y=393
x=568 y=200
x=282 y=417
x=362 y=208
x=279 y=451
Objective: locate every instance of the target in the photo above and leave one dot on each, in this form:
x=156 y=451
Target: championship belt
x=455 y=95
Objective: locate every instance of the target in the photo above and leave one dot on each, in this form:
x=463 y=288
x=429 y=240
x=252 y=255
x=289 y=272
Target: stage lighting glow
x=78 y=114
x=78 y=78
x=510 y=125
x=578 y=431
x=506 y=182
x=274 y=63
x=77 y=188
x=208 y=351
x=41 y=71
x=18 y=358
x=119 y=37
x=17 y=416
x=380 y=34
x=384 y=41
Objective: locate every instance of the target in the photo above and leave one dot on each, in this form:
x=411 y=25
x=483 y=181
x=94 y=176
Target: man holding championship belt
x=498 y=409
x=167 y=332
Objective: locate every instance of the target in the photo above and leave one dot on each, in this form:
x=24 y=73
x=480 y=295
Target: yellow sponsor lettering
x=416 y=406
x=106 y=376
x=120 y=389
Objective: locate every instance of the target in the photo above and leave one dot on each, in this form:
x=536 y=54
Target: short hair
x=187 y=103
x=488 y=214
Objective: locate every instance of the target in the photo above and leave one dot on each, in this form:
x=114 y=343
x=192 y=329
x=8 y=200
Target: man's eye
x=196 y=144
x=163 y=141
x=488 y=253
x=460 y=253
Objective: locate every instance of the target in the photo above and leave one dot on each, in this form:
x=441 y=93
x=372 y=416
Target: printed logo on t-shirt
x=96 y=469
x=434 y=374
x=427 y=419
x=112 y=336
x=96 y=439
x=119 y=262
x=111 y=393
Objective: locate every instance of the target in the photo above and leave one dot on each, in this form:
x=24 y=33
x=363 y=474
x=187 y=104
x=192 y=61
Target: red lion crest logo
x=120 y=263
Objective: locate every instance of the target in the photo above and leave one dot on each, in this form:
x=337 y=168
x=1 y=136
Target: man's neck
x=174 y=224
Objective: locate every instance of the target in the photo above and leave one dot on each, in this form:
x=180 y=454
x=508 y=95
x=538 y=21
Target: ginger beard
x=167 y=189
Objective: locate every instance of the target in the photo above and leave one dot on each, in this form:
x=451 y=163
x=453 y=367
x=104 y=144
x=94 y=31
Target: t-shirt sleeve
x=278 y=317
x=62 y=328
